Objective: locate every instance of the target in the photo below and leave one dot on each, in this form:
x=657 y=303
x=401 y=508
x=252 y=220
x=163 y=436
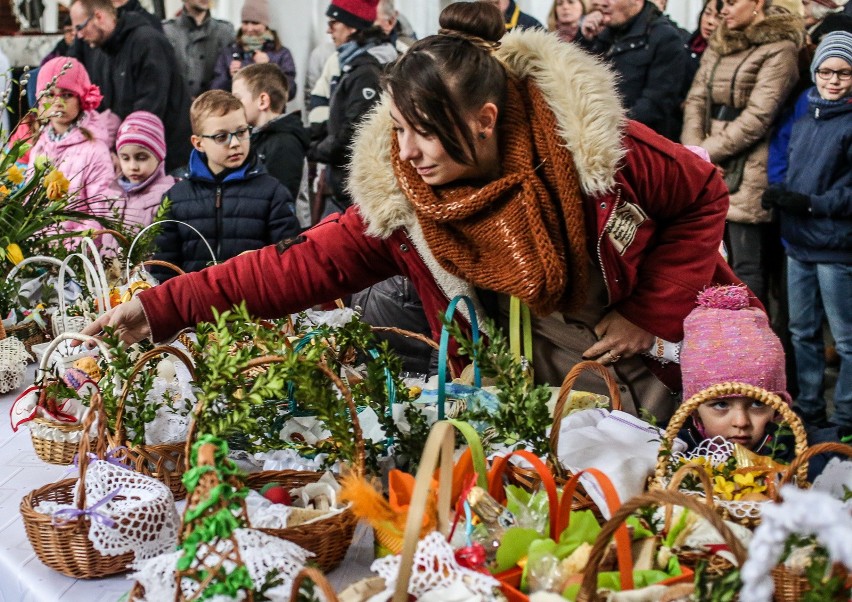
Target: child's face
x=243 y=94
x=63 y=110
x=738 y=419
x=834 y=78
x=137 y=162
x=232 y=130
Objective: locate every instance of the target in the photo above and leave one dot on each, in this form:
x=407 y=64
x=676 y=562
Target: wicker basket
x=588 y=589
x=66 y=547
x=165 y=462
x=29 y=333
x=329 y=539
x=48 y=450
x=659 y=480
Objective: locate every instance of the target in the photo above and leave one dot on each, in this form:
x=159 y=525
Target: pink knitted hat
x=726 y=340
x=144 y=129
x=75 y=79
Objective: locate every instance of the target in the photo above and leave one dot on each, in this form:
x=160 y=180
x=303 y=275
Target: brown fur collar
x=774 y=28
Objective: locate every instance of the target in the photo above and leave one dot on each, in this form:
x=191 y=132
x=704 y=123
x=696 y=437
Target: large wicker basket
x=165 y=462
x=29 y=333
x=328 y=538
x=66 y=547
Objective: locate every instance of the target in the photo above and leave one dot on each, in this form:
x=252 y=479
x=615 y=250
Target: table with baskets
x=24 y=578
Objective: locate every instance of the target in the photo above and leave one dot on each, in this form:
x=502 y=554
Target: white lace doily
x=434 y=567
x=263 y=514
x=13 y=364
x=717 y=450
x=260 y=553
x=288 y=459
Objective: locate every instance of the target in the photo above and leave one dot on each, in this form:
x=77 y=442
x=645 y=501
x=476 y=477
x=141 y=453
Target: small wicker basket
x=165 y=462
x=66 y=547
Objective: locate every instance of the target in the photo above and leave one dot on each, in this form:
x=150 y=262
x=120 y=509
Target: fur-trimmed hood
x=774 y=28
x=580 y=90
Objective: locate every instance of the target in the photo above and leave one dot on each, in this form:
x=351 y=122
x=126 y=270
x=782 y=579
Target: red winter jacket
x=655 y=216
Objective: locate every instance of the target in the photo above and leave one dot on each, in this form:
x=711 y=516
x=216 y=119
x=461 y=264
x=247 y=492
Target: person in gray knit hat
x=815 y=209
x=256 y=43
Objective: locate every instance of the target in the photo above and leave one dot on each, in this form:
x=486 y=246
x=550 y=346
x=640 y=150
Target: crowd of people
x=604 y=167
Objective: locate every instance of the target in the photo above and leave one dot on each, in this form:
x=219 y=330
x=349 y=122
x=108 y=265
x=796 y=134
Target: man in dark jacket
x=198 y=40
x=647 y=52
x=141 y=71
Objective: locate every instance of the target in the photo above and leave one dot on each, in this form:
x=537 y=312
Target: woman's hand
x=234 y=67
x=618 y=337
x=128 y=320
x=260 y=57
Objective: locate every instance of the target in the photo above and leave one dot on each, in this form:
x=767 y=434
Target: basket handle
x=88 y=247
x=588 y=589
x=163 y=221
x=114 y=233
x=622 y=535
x=565 y=390
x=43 y=367
x=444 y=347
x=802 y=460
x=679 y=475
x=163 y=264
x=360 y=451
x=33 y=259
x=137 y=369
x=439 y=448
x=416 y=336
x=312 y=574
x=474 y=448
x=96 y=412
x=723 y=390
x=498 y=491
x=520 y=329
x=93 y=282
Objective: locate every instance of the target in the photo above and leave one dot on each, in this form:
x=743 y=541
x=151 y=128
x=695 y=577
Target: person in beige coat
x=744 y=78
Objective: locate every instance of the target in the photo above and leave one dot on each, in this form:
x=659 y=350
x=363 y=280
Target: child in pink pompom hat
x=727 y=340
x=141 y=148
x=75 y=137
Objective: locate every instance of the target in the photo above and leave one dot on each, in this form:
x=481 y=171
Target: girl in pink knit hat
x=74 y=136
x=726 y=340
x=141 y=147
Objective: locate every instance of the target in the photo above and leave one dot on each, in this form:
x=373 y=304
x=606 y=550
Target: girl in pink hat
x=74 y=136
x=141 y=148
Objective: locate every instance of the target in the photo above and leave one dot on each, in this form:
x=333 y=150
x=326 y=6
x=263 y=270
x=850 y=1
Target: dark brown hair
x=212 y=103
x=92 y=5
x=266 y=77
x=443 y=78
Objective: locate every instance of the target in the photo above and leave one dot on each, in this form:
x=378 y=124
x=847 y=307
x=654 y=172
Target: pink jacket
x=86 y=163
x=139 y=203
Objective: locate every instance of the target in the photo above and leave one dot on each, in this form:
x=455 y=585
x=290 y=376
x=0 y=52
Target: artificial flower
x=14 y=253
x=15 y=175
x=723 y=487
x=4 y=192
x=56 y=185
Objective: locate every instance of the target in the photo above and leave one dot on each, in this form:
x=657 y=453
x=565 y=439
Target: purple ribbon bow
x=68 y=514
x=109 y=457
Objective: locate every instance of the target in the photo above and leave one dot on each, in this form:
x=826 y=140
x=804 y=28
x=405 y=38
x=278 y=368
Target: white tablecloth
x=23 y=578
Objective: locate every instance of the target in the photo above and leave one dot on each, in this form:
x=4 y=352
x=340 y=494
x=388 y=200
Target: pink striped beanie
x=143 y=129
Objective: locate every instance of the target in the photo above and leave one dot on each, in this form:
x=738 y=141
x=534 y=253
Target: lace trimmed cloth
x=129 y=511
x=717 y=451
x=13 y=364
x=435 y=567
x=261 y=554
x=803 y=512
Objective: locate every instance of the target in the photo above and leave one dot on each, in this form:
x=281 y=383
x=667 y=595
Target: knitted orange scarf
x=522 y=234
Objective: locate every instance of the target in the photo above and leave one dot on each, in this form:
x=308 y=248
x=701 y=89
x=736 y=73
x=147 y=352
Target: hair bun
x=472 y=20
x=724 y=297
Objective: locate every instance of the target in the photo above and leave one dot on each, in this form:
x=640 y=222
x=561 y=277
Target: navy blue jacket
x=241 y=210
x=819 y=160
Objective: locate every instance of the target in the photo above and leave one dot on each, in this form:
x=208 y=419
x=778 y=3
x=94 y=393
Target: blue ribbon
x=68 y=514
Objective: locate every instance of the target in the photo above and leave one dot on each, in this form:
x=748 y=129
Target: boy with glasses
x=815 y=208
x=228 y=197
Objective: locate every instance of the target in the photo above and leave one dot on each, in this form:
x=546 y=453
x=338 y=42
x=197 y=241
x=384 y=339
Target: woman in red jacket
x=497 y=167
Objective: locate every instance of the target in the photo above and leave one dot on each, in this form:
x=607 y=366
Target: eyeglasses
x=224 y=138
x=843 y=75
x=82 y=26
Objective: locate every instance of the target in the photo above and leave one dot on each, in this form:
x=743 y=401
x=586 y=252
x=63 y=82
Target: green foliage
x=823 y=583
x=10 y=297
x=522 y=417
x=710 y=588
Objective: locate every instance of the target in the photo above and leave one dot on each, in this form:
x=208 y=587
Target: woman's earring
x=754 y=12
x=482 y=136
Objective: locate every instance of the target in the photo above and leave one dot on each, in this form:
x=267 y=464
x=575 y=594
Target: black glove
x=791 y=202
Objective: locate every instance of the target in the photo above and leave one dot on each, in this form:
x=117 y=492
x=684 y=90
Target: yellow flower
x=4 y=192
x=747 y=484
x=56 y=185
x=723 y=487
x=15 y=175
x=14 y=254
